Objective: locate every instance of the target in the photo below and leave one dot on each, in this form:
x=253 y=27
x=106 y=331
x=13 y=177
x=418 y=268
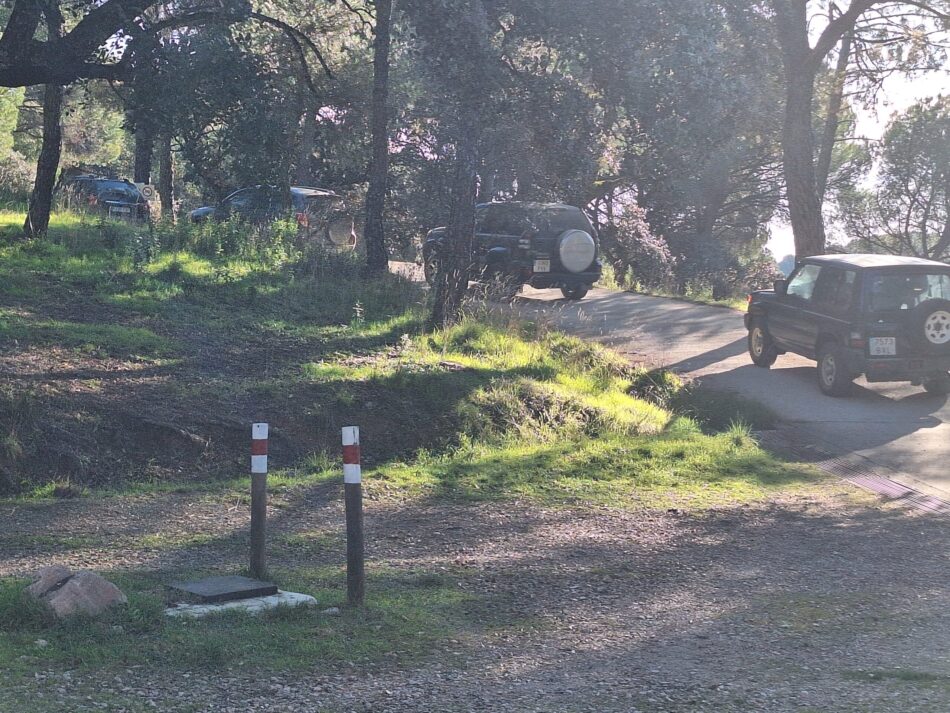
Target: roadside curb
x=857 y=470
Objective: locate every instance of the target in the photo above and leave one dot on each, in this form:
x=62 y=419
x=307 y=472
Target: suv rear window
x=501 y=219
x=888 y=292
x=109 y=190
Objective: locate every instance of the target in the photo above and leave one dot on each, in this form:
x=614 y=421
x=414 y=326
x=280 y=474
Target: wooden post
x=353 y=495
x=258 y=500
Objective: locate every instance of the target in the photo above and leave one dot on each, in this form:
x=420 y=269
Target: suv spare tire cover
x=930 y=326
x=577 y=250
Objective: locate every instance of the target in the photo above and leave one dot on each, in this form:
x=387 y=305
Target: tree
x=41 y=199
x=871 y=23
x=455 y=37
x=377 y=257
x=908 y=211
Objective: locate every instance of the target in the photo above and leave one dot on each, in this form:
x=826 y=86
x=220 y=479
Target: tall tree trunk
x=144 y=143
x=308 y=136
x=166 y=176
x=377 y=257
x=832 y=117
x=798 y=153
x=456 y=260
x=41 y=199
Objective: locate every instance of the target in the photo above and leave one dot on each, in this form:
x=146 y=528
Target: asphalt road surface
x=895 y=429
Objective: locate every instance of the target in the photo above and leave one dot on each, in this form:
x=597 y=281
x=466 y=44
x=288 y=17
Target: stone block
x=47 y=579
x=85 y=593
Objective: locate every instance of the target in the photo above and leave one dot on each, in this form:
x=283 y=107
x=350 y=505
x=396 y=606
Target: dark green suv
x=538 y=244
x=883 y=316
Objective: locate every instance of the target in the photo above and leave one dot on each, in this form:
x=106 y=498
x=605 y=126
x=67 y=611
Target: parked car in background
x=883 y=316
x=110 y=197
x=538 y=244
x=320 y=214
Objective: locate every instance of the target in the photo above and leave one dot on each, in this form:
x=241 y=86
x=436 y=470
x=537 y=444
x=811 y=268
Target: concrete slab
x=253 y=605
x=225 y=589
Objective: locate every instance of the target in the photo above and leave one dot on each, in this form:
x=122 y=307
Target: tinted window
x=509 y=219
x=803 y=283
x=834 y=290
x=242 y=199
x=889 y=292
x=313 y=203
x=117 y=190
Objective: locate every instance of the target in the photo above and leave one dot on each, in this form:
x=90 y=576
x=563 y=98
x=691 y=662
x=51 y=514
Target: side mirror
x=780 y=287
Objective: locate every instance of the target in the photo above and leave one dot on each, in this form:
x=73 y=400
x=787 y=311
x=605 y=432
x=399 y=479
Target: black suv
x=320 y=213
x=109 y=197
x=537 y=244
x=882 y=316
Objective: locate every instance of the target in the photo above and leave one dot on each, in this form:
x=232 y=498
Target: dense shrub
x=637 y=256
x=16 y=179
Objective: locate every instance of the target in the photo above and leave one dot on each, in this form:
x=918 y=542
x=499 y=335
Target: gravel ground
x=821 y=602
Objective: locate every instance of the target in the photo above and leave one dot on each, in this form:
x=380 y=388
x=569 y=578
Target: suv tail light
x=303 y=220
x=856 y=340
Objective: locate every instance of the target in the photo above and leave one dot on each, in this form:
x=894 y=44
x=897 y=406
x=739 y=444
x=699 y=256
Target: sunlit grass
x=113 y=339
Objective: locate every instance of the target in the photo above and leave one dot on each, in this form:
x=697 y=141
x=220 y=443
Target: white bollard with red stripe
x=353 y=496
x=352 y=470
x=259 y=433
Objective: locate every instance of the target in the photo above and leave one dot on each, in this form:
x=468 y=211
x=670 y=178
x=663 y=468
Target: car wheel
x=761 y=348
x=938 y=385
x=834 y=379
x=574 y=293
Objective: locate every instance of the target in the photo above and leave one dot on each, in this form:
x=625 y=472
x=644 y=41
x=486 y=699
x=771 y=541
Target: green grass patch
x=680 y=468
x=111 y=339
x=406 y=616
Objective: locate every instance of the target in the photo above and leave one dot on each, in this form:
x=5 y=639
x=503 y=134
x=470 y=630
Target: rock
x=41 y=643
x=332 y=611
x=85 y=593
x=48 y=579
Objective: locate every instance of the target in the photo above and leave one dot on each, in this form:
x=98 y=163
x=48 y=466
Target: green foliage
x=906 y=212
x=10 y=100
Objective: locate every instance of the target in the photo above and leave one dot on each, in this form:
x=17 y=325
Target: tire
x=574 y=293
x=762 y=350
x=833 y=377
x=938 y=385
x=930 y=326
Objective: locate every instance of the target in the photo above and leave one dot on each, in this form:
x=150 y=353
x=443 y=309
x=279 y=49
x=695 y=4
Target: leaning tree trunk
x=166 y=176
x=41 y=199
x=456 y=261
x=377 y=257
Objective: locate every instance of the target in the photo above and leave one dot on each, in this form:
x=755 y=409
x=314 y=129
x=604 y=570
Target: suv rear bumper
x=913 y=369
x=544 y=280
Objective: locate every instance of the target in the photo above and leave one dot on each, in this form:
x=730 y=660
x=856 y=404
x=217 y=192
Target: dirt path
x=807 y=603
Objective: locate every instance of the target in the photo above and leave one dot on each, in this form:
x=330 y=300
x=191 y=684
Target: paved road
x=900 y=428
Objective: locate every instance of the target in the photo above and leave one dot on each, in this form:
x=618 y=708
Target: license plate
x=120 y=209
x=883 y=346
x=542 y=266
